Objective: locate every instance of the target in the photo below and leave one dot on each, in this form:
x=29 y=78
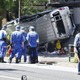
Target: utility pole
x=19 y=10
x=19 y=7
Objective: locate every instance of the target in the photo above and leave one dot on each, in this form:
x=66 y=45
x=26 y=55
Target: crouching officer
x=33 y=40
x=77 y=49
x=16 y=44
x=3 y=44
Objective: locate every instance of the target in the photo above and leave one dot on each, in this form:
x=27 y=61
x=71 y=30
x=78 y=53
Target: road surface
x=37 y=72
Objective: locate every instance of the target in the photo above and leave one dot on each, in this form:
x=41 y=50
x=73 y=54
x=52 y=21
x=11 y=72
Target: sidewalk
x=52 y=59
x=57 y=60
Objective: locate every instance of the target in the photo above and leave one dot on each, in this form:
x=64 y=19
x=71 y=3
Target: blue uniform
x=32 y=38
x=2 y=49
x=24 y=50
x=3 y=44
x=2 y=34
x=77 y=46
x=16 y=41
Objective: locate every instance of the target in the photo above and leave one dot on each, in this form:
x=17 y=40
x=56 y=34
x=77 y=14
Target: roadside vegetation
x=9 y=9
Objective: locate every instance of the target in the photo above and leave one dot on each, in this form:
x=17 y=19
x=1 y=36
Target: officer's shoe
x=78 y=73
x=0 y=59
x=36 y=61
x=3 y=61
x=10 y=60
x=17 y=60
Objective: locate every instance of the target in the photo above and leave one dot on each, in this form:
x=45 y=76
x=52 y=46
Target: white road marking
x=8 y=77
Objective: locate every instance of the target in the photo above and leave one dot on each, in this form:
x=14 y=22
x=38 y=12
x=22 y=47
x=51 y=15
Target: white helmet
x=17 y=27
x=31 y=28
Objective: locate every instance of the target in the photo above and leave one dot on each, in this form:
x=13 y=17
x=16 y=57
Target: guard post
x=71 y=51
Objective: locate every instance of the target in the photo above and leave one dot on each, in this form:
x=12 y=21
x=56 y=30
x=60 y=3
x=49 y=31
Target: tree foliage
x=11 y=7
x=30 y=7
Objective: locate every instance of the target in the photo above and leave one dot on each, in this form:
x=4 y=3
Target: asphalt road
x=36 y=72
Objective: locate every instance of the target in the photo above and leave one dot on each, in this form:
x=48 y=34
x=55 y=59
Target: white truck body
x=56 y=24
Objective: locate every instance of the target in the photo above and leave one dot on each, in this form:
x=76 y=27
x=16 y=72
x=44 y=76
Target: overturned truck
x=51 y=25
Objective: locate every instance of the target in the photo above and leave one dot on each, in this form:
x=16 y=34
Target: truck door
x=59 y=25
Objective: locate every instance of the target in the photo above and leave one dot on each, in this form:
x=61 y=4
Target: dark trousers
x=33 y=54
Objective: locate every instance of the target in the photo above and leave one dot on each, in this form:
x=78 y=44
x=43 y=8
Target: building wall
x=76 y=15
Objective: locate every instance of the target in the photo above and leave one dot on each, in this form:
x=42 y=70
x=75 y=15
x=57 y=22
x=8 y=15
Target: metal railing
x=71 y=51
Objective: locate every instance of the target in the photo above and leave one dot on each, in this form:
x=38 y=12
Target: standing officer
x=33 y=40
x=24 y=51
x=77 y=49
x=17 y=44
x=3 y=44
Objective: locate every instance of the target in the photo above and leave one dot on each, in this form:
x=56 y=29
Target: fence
x=71 y=51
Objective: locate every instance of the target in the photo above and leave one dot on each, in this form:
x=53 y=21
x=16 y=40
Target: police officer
x=77 y=49
x=24 y=51
x=3 y=44
x=33 y=40
x=17 y=44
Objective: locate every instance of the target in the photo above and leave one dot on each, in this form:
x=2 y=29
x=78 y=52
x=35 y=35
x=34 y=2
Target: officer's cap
x=18 y=27
x=31 y=28
x=4 y=27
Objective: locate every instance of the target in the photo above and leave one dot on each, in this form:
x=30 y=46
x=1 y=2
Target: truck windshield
x=59 y=23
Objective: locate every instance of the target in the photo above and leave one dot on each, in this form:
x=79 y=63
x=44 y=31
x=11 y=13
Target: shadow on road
x=8 y=69
x=43 y=54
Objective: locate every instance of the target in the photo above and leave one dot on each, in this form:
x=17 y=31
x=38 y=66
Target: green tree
x=30 y=5
x=10 y=8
